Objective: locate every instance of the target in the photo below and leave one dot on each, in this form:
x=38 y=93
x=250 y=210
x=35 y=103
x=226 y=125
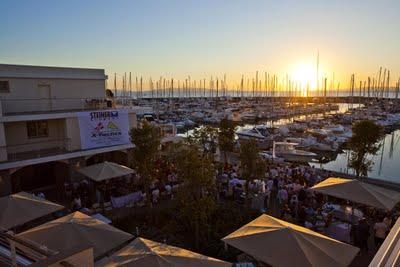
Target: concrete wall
x=3 y=150
x=35 y=95
x=72 y=132
x=63 y=133
x=17 y=140
x=30 y=71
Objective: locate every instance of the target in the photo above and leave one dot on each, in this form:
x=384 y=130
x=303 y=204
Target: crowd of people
x=285 y=192
x=85 y=194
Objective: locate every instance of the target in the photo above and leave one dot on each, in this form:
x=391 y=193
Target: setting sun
x=305 y=74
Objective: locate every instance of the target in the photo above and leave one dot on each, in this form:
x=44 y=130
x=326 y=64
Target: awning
x=279 y=243
x=360 y=192
x=23 y=207
x=104 y=171
x=77 y=229
x=147 y=253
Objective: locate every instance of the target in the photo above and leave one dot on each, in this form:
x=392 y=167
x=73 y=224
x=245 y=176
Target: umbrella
x=147 y=253
x=23 y=207
x=104 y=171
x=360 y=192
x=280 y=243
x=77 y=229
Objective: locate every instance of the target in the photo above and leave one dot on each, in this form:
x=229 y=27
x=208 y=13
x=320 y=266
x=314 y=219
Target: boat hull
x=296 y=158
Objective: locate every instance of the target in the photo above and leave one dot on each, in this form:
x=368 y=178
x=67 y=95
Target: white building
x=41 y=130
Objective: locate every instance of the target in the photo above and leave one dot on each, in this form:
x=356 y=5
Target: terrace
x=26 y=106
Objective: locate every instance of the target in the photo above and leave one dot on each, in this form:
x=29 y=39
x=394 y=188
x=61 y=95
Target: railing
x=40 y=105
x=16 y=251
x=38 y=149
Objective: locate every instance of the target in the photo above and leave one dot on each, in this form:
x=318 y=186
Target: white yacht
x=303 y=143
x=289 y=152
x=248 y=116
x=260 y=133
x=325 y=147
x=267 y=155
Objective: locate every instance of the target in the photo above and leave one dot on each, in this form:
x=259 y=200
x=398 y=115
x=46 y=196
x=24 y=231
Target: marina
x=331 y=152
x=200 y=133
x=385 y=163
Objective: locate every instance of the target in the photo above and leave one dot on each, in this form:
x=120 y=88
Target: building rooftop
x=46 y=72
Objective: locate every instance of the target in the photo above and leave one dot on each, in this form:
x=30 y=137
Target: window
x=4 y=86
x=37 y=129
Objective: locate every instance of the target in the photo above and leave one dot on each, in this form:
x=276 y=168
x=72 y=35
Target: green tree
x=366 y=135
x=226 y=137
x=206 y=138
x=196 y=195
x=252 y=166
x=146 y=140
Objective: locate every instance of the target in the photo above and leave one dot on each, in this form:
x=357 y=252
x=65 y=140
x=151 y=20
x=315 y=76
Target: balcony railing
x=38 y=149
x=40 y=105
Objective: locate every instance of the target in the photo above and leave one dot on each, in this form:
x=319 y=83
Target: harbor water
x=385 y=164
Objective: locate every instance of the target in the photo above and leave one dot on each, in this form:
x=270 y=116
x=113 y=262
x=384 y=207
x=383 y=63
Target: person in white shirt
x=380 y=229
x=388 y=222
x=77 y=203
x=168 y=189
x=282 y=196
x=262 y=186
x=267 y=195
x=273 y=173
x=155 y=195
x=296 y=187
x=270 y=184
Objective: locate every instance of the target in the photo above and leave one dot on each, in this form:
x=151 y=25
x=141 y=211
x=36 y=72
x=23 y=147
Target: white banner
x=103 y=128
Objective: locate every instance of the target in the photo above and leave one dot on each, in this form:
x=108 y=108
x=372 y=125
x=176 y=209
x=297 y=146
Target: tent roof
x=23 y=207
x=147 y=253
x=77 y=229
x=105 y=170
x=280 y=243
x=360 y=192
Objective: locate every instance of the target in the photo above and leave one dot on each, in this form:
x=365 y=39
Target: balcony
x=21 y=155
x=38 y=149
x=11 y=107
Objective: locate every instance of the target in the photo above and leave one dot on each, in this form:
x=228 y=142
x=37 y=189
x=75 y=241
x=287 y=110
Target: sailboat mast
x=317 y=77
x=130 y=85
x=387 y=84
x=115 y=85
x=141 y=87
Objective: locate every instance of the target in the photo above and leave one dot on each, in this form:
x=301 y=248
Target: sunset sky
x=172 y=38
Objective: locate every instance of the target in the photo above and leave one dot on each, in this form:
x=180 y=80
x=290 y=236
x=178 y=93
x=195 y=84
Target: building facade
x=40 y=126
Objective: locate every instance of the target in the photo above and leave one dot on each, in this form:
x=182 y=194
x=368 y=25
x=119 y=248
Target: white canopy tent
x=359 y=192
x=77 y=229
x=105 y=170
x=280 y=243
x=148 y=253
x=23 y=207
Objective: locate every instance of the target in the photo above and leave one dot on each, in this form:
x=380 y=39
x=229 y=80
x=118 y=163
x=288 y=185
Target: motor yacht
x=289 y=152
x=261 y=134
